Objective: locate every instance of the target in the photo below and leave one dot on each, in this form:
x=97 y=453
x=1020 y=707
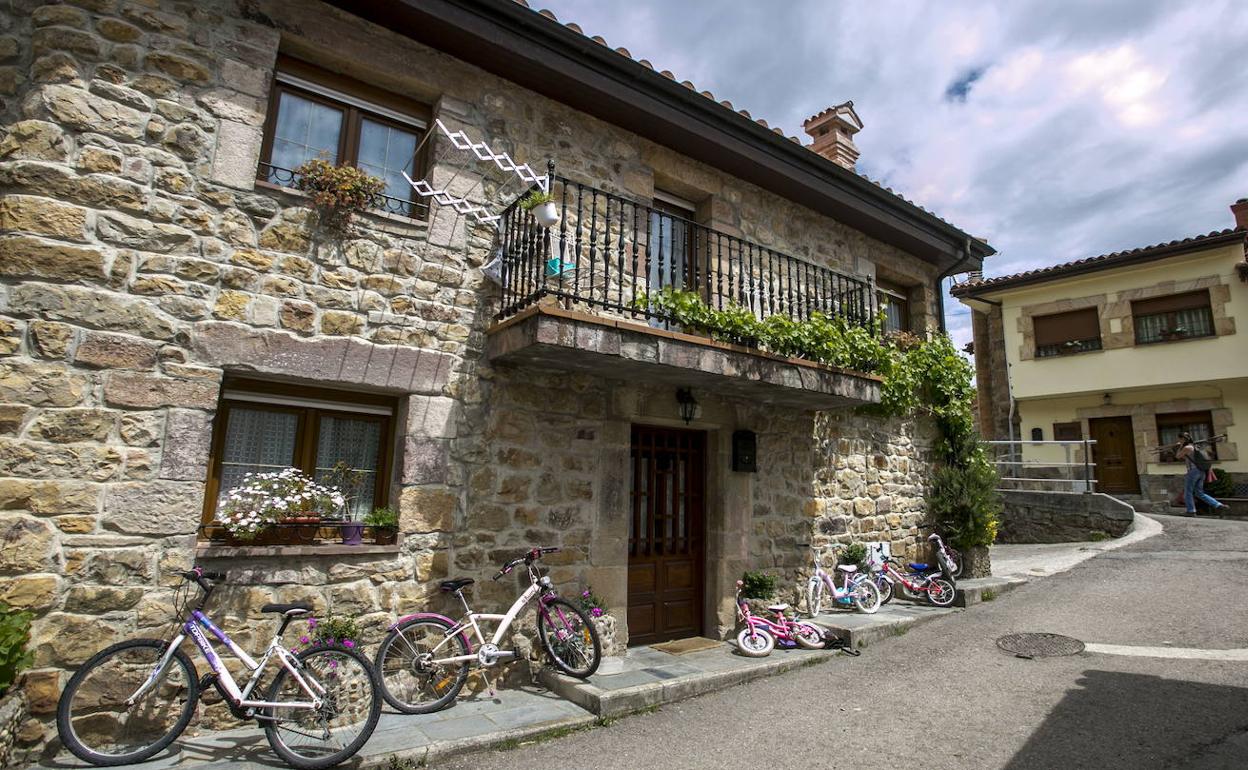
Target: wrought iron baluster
x=649 y=257
x=576 y=271
x=593 y=241
x=619 y=244
x=632 y=260
x=606 y=253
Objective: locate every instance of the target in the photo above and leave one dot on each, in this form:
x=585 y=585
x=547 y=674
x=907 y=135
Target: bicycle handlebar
x=533 y=555
x=198 y=575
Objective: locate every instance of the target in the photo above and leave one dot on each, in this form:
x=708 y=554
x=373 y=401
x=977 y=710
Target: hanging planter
x=542 y=206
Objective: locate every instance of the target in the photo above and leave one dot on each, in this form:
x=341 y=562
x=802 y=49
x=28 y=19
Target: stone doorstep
x=609 y=703
x=426 y=755
x=971 y=591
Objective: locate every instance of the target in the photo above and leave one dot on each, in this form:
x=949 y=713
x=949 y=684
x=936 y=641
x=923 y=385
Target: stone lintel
x=617 y=349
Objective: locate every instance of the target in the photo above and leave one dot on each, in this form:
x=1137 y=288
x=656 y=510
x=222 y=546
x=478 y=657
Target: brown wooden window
x=1062 y=333
x=264 y=426
x=1198 y=424
x=318 y=114
x=672 y=235
x=895 y=305
x=1067 y=431
x=1176 y=317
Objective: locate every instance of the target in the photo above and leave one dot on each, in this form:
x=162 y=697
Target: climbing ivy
x=919 y=377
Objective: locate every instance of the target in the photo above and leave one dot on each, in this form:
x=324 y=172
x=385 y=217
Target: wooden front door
x=1114 y=454
x=665 y=534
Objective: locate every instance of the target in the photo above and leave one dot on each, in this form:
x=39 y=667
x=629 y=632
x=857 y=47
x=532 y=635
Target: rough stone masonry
x=141 y=264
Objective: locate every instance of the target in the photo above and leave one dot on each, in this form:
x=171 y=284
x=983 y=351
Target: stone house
x=1127 y=349
x=171 y=317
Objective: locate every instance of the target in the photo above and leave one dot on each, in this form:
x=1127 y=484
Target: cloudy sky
x=1056 y=130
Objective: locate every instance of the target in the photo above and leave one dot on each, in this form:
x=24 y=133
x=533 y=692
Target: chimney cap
x=843 y=112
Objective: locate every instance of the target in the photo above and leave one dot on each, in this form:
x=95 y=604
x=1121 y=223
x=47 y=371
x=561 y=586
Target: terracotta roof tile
x=1112 y=259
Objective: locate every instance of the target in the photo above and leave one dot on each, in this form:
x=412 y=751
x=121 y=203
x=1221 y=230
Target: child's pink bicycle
x=760 y=634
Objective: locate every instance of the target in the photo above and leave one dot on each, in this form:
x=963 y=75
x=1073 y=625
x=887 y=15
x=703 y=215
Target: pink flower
x=303 y=640
x=585 y=593
x=596 y=612
x=348 y=643
x=311 y=622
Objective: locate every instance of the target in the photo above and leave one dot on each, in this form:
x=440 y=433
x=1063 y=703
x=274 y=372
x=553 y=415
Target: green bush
x=14 y=639
x=1222 y=486
x=757 y=585
x=964 y=501
x=854 y=553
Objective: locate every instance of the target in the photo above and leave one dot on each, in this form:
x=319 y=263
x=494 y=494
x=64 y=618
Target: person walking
x=1198 y=468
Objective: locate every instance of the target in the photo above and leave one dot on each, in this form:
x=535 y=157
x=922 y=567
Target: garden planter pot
x=546 y=214
x=605 y=626
x=306 y=532
x=976 y=562
x=385 y=535
x=352 y=533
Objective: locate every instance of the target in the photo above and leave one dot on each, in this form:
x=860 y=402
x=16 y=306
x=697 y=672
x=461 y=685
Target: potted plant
x=347 y=518
x=542 y=206
x=250 y=510
x=603 y=622
x=758 y=589
x=352 y=530
x=338 y=193
x=340 y=630
x=384 y=523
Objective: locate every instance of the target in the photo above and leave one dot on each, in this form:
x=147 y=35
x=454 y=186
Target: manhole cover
x=1040 y=645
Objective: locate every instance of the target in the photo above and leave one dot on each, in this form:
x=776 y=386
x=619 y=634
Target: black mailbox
x=744 y=451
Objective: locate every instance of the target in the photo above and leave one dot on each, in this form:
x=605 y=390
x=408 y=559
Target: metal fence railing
x=1065 y=466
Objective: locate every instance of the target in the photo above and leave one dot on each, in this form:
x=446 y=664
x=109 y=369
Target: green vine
x=919 y=377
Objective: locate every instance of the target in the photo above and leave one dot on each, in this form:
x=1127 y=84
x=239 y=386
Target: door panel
x=1114 y=453
x=665 y=549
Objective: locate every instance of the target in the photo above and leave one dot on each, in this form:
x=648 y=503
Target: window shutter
x=1191 y=300
x=1063 y=327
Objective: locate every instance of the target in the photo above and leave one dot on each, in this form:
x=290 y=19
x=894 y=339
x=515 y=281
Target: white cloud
x=1091 y=127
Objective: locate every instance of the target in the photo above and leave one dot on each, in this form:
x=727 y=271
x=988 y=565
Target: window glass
x=256 y=441
x=356 y=443
x=1175 y=317
x=305 y=130
x=1198 y=424
x=386 y=151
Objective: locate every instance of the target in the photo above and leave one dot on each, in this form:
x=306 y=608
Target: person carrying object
x=1199 y=469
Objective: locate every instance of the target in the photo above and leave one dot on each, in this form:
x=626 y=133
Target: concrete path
x=1051 y=558
x=944 y=696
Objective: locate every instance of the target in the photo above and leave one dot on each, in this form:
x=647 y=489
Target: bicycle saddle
x=451 y=586
x=847 y=567
x=919 y=566
x=293 y=609
x=778 y=607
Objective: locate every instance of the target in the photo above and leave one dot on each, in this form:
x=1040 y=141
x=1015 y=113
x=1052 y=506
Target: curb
x=423 y=755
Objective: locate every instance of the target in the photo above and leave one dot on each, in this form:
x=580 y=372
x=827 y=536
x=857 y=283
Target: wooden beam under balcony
x=619 y=349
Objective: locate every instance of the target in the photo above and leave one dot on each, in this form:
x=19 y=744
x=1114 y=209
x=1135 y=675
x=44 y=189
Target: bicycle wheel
x=93 y=720
x=755 y=642
x=309 y=739
x=956 y=558
x=569 y=638
x=885 y=587
x=866 y=596
x=814 y=596
x=410 y=681
x=809 y=636
x=940 y=592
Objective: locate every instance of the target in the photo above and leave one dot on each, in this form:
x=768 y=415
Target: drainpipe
x=940 y=281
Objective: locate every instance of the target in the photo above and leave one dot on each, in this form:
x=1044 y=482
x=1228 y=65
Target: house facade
x=172 y=317
x=1128 y=349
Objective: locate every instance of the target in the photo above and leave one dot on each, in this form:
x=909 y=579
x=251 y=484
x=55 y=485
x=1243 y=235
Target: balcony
x=574 y=296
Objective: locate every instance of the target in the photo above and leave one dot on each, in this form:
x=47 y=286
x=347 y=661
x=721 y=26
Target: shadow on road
x=1138 y=721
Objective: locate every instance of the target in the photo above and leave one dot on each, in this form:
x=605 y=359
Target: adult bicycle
x=423 y=662
x=133 y=699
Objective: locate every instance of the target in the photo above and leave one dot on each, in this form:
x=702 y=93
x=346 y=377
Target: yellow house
x=1127 y=349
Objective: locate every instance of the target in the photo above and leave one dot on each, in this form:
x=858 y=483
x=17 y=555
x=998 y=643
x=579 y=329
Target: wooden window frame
x=895 y=292
x=416 y=118
x=1066 y=347
x=307 y=431
x=1169 y=306
x=1182 y=420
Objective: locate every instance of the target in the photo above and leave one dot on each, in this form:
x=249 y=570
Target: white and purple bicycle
x=423 y=662
x=131 y=700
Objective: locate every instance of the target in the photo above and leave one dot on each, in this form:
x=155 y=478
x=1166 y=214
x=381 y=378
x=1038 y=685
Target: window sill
x=1066 y=355
x=385 y=216
x=1176 y=339
x=219 y=551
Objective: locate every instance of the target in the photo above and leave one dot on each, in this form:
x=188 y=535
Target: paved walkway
x=644 y=677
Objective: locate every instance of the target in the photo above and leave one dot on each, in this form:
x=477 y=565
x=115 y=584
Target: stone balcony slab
x=627 y=350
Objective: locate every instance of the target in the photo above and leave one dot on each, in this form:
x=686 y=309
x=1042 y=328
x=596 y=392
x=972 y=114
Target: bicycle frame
x=239 y=698
x=891 y=573
x=841 y=594
x=487 y=653
x=786 y=629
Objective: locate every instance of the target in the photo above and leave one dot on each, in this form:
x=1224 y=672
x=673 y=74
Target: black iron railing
x=404 y=207
x=609 y=252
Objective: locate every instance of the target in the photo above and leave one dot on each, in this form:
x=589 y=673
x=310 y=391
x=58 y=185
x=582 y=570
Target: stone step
x=976 y=590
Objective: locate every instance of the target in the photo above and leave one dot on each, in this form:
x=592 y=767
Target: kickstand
x=489 y=685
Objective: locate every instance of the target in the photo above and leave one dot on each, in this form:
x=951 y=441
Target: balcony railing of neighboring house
x=608 y=252
x=389 y=204
x=1075 y=472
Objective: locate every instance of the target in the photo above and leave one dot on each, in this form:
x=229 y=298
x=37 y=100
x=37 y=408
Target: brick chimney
x=833 y=131
x=1239 y=209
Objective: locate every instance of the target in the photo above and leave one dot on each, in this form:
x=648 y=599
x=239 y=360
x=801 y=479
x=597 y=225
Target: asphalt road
x=944 y=696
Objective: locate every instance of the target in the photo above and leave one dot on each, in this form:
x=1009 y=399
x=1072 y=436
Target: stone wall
x=1061 y=517
x=142 y=264
x=12 y=716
